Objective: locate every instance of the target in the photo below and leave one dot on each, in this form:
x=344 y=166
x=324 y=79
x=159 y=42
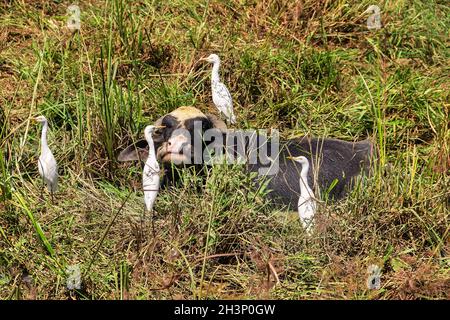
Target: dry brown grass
x=300 y=66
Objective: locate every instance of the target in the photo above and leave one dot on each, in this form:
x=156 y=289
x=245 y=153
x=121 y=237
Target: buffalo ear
x=135 y=151
x=216 y=122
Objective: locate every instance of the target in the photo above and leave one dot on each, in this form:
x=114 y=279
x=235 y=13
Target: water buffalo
x=187 y=133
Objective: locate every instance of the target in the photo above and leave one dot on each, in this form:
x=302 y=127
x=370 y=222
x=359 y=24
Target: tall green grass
x=309 y=69
x=5 y=185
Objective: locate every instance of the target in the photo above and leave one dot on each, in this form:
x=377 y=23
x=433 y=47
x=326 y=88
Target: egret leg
x=140 y=231
x=43 y=181
x=151 y=217
x=153 y=224
x=42 y=189
x=51 y=194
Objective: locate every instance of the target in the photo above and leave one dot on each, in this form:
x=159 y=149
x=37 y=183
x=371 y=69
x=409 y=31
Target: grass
x=302 y=67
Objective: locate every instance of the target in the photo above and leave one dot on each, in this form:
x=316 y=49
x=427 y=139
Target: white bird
x=220 y=94
x=150 y=174
x=374 y=20
x=306 y=201
x=47 y=166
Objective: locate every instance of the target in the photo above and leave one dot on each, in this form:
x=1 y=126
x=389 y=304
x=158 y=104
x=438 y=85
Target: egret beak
x=369 y=10
x=290 y=158
x=160 y=127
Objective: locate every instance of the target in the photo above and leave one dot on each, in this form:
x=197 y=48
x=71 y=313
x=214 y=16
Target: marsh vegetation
x=303 y=67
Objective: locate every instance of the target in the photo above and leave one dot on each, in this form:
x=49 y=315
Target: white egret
x=220 y=94
x=374 y=20
x=47 y=166
x=306 y=201
x=150 y=175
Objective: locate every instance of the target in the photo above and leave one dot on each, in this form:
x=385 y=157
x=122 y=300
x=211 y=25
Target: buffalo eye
x=198 y=123
x=206 y=125
x=170 y=122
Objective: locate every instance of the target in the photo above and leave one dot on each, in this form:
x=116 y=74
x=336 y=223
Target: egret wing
x=222 y=99
x=48 y=169
x=150 y=183
x=222 y=96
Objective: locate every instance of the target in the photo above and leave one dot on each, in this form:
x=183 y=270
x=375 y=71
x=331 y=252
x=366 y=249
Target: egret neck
x=44 y=144
x=151 y=150
x=215 y=72
x=305 y=190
